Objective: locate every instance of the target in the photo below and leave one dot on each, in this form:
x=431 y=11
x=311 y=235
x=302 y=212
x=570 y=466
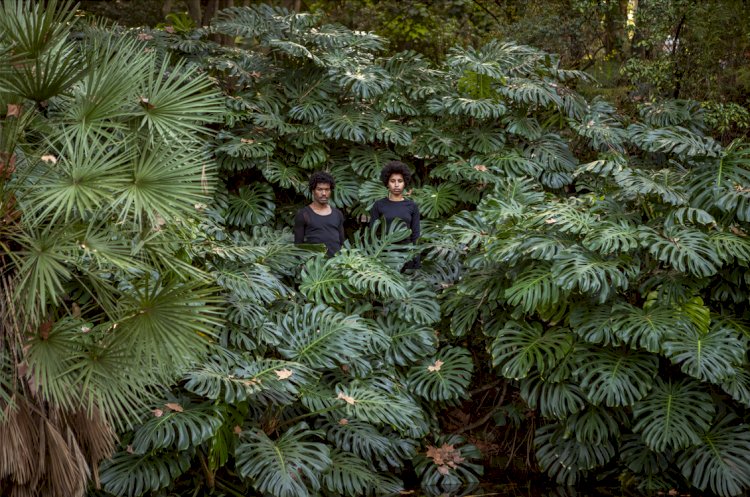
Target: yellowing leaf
x=14 y=110
x=283 y=374
x=435 y=367
x=346 y=398
x=173 y=406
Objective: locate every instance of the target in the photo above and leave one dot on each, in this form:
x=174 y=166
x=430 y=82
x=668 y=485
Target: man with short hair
x=319 y=222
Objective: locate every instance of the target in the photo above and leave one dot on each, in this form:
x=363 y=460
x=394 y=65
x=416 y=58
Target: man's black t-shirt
x=310 y=227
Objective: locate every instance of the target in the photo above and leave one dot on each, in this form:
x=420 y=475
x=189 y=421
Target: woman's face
x=396 y=184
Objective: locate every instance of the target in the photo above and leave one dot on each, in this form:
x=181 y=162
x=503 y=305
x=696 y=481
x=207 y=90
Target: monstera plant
x=590 y=264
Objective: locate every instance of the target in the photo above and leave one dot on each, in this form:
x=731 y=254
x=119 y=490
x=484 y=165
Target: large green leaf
x=554 y=399
x=616 y=377
x=135 y=474
x=588 y=272
x=710 y=356
x=445 y=376
x=379 y=407
x=673 y=414
x=290 y=466
x=251 y=205
x=408 y=342
x=349 y=475
x=173 y=424
x=320 y=337
x=235 y=379
x=721 y=460
x=369 y=443
x=520 y=347
x=566 y=459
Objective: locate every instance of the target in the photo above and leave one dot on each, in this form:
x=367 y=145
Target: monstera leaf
x=594 y=425
x=323 y=282
x=173 y=424
x=446 y=376
x=616 y=377
x=135 y=474
x=553 y=399
x=595 y=324
x=419 y=306
x=349 y=475
x=708 y=356
x=534 y=288
x=290 y=466
x=381 y=446
x=519 y=347
x=409 y=342
x=673 y=415
x=233 y=378
x=721 y=461
x=251 y=205
x=321 y=337
x=375 y=405
x=647 y=327
x=566 y=459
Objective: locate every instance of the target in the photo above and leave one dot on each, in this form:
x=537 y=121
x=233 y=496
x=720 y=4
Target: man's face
x=322 y=193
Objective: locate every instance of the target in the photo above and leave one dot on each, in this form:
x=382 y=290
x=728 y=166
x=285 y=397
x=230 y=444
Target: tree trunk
x=211 y=8
x=194 y=11
x=226 y=39
x=166 y=8
x=615 y=18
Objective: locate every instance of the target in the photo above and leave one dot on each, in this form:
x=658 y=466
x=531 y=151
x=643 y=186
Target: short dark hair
x=321 y=177
x=395 y=167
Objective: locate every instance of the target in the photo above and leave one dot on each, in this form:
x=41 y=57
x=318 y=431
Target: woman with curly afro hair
x=396 y=176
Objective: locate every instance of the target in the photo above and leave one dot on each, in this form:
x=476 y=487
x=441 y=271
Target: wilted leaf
x=346 y=398
x=436 y=366
x=445 y=457
x=283 y=374
x=173 y=406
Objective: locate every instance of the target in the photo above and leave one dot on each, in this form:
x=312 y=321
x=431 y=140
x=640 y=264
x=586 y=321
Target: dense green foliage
x=592 y=264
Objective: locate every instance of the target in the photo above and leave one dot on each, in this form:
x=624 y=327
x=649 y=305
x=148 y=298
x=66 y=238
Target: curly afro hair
x=395 y=167
x=321 y=177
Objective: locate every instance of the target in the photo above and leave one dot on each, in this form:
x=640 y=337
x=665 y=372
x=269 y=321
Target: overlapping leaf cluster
x=596 y=265
x=597 y=261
